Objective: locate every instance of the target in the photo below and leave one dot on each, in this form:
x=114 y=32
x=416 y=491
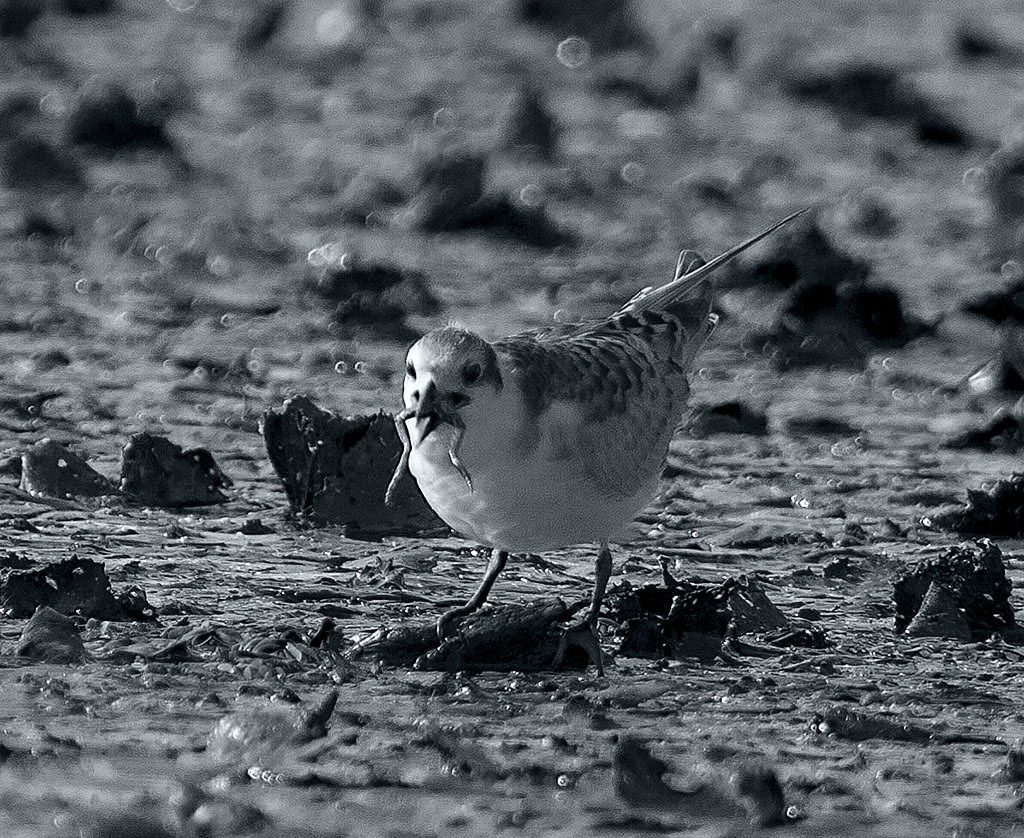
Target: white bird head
x=450 y=374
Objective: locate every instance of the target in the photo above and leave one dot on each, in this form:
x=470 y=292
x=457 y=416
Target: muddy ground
x=169 y=283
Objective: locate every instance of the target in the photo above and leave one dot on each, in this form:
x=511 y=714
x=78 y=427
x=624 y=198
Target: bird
x=555 y=436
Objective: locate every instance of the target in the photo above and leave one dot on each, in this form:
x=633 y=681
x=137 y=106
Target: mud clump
x=335 y=469
x=72 y=586
x=530 y=126
x=505 y=638
x=975 y=584
x=732 y=417
x=105 y=116
x=684 y=619
x=864 y=89
x=49 y=469
x=31 y=162
x=997 y=511
x=51 y=637
x=450 y=197
x=374 y=296
x=156 y=472
x=824 y=324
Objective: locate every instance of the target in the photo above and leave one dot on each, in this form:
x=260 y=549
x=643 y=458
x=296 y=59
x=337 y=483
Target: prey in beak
x=430 y=412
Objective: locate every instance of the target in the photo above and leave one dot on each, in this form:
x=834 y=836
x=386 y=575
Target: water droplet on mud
x=444 y=119
x=632 y=173
x=1011 y=270
x=573 y=52
x=217 y=265
x=530 y=195
x=975 y=180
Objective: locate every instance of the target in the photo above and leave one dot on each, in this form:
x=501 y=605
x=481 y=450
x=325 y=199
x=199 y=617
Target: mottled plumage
x=556 y=436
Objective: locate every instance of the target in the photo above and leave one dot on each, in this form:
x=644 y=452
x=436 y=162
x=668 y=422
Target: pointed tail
x=685 y=285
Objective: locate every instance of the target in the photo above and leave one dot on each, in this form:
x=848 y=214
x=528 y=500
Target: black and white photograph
x=466 y=418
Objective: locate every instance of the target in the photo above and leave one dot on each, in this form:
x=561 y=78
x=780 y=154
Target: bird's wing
x=606 y=399
x=609 y=394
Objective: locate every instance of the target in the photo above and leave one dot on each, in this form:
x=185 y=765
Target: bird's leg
x=602 y=573
x=403 y=461
x=495 y=566
x=583 y=634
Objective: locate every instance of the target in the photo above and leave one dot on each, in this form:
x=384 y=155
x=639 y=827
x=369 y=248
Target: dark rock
x=450 y=197
x=974 y=578
x=939 y=616
x=49 y=469
x=727 y=418
x=16 y=16
x=104 y=115
x=1004 y=432
x=73 y=586
x=51 y=637
x=260 y=23
x=375 y=296
x=996 y=511
x=156 y=472
x=605 y=24
x=871 y=90
x=336 y=470
x=530 y=125
x=30 y=162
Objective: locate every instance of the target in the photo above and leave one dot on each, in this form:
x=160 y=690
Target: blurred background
x=208 y=206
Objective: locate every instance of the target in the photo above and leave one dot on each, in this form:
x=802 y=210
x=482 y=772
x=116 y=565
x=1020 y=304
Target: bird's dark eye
x=472 y=372
x=410 y=370
x=459 y=399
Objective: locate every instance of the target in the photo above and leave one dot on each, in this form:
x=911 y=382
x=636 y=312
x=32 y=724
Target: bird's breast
x=524 y=497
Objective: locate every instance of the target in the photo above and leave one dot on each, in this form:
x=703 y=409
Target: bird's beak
x=428 y=413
